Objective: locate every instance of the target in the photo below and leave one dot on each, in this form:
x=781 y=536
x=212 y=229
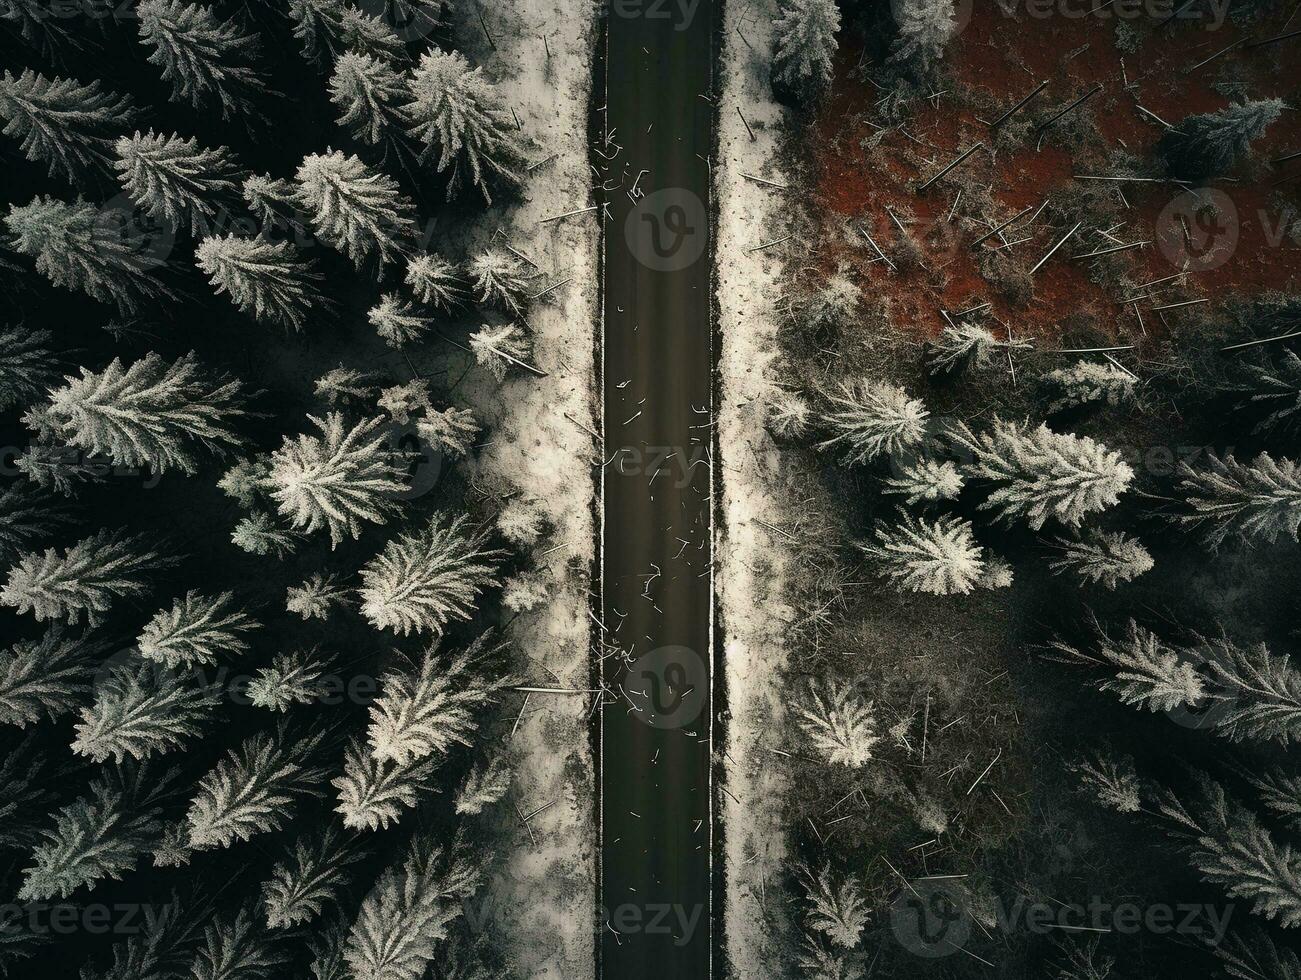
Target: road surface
x=656 y=826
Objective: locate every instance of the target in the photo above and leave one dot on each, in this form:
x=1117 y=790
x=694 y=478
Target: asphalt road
x=656 y=583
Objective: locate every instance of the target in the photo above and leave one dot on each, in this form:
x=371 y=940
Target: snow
x=752 y=561
x=543 y=893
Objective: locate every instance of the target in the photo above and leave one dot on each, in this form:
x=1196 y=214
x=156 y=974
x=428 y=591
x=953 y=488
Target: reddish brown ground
x=1007 y=58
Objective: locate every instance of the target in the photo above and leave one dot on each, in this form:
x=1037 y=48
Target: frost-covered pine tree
x=1280 y=793
x=294 y=678
x=836 y=908
x=26 y=364
x=273 y=202
x=254 y=789
x=208 y=61
x=1209 y=144
x=407 y=914
x=58 y=468
x=1253 y=954
x=500 y=279
x=339 y=481
x=198 y=629
x=1103 y=557
x=236 y=948
x=1256 y=500
x=76 y=247
x=373 y=794
x=396 y=321
x=1277 y=387
x=869 y=419
x=1148 y=672
x=1114 y=783
x=268 y=280
x=423 y=581
x=964 y=345
x=403 y=401
x=149 y=414
x=431 y=709
x=310 y=880
x=371 y=96
x=343 y=384
x=925 y=480
x=258 y=535
x=838 y=723
x=1043 y=474
x=142 y=709
x=484 y=786
x=244 y=481
x=316 y=597
x=25 y=515
x=100 y=835
x=925 y=29
x=805 y=45
x=456 y=114
x=499 y=348
x=359 y=211
x=818 y=961
x=940 y=557
x=175 y=180
x=26 y=793
x=1229 y=847
x=327 y=28
x=1087 y=382
x=46 y=678
x=171 y=848
x=63 y=123
x=435 y=281
x=1257 y=693
x=85 y=579
x=451 y=430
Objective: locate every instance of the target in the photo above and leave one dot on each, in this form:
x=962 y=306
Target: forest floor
x=543 y=895
x=973 y=774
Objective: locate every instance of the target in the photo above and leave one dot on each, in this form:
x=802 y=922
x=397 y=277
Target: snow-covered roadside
x=752 y=561
x=543 y=898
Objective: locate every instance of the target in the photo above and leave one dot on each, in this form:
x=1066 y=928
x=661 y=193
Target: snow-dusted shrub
x=838 y=723
x=1088 y=381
